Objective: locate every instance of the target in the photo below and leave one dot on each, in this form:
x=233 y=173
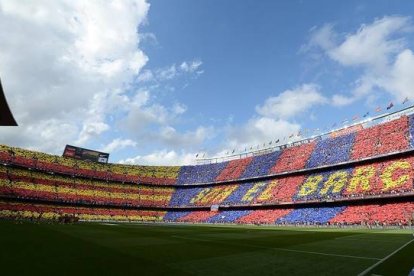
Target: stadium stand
x=310 y=215
x=392 y=214
x=47 y=212
x=293 y=158
x=388 y=137
x=340 y=172
x=197 y=216
x=264 y=216
x=331 y=151
x=384 y=138
x=234 y=169
x=227 y=216
x=260 y=165
x=411 y=131
x=393 y=176
x=201 y=173
x=26 y=184
x=389 y=214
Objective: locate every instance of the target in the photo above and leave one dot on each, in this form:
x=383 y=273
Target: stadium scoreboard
x=85 y=154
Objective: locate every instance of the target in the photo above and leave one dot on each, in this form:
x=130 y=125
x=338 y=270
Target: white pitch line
x=349 y=236
x=286 y=249
x=384 y=259
x=362 y=239
x=325 y=254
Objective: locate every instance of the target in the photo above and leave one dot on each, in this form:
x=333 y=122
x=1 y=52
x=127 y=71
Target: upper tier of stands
x=389 y=137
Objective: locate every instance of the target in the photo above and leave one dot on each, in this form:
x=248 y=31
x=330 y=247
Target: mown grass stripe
x=384 y=259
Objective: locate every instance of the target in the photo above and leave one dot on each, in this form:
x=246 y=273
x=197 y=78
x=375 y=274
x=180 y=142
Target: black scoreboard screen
x=85 y=154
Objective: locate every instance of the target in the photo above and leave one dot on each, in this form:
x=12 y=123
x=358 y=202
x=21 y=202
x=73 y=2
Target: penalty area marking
x=324 y=254
x=384 y=259
x=286 y=249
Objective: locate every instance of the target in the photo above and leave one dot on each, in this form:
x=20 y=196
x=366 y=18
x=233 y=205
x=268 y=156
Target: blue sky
x=157 y=82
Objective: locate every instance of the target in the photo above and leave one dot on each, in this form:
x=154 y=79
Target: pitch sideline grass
x=120 y=249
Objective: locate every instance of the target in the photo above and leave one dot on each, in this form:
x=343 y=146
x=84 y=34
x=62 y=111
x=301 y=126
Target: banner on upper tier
x=214 y=208
x=85 y=154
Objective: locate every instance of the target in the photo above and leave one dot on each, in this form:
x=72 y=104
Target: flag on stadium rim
x=390 y=106
x=366 y=114
x=378 y=109
x=196 y=155
x=405 y=100
x=355 y=118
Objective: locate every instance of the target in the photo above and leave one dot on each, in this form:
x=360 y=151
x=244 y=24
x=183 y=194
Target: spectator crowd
x=112 y=189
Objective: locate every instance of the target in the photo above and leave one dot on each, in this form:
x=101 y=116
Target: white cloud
x=380 y=49
x=273 y=120
x=321 y=37
x=292 y=102
x=190 y=67
x=260 y=130
x=57 y=58
x=142 y=111
x=118 y=144
x=170 y=136
x=171 y=72
x=146 y=76
x=179 y=108
x=94 y=124
x=164 y=157
x=400 y=81
x=69 y=69
x=167 y=73
x=341 y=100
x=371 y=44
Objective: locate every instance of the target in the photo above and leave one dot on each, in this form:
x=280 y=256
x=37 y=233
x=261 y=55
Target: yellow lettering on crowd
x=311 y=185
x=216 y=195
x=267 y=193
x=213 y=195
x=388 y=176
x=200 y=195
x=336 y=182
x=252 y=191
x=225 y=193
x=361 y=178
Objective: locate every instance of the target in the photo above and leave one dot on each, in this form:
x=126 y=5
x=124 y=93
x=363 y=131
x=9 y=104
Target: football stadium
x=337 y=204
x=122 y=136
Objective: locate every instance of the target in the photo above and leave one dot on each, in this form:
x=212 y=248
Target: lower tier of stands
x=397 y=213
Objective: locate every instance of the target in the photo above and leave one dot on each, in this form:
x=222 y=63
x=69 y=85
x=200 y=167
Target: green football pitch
x=134 y=249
